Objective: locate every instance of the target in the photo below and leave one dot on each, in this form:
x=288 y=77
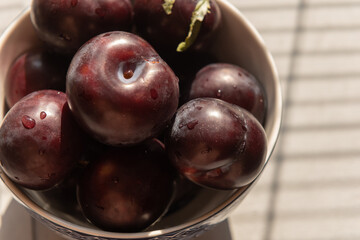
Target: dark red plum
x=40 y=141
x=232 y=84
x=35 y=69
x=120 y=90
x=67 y=24
x=216 y=144
x=127 y=189
x=167 y=31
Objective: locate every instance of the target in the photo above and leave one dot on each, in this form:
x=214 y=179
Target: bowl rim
x=24 y=200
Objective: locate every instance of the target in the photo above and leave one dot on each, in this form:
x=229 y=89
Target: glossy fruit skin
x=67 y=24
x=115 y=108
x=34 y=70
x=40 y=141
x=167 y=31
x=232 y=84
x=216 y=144
x=127 y=189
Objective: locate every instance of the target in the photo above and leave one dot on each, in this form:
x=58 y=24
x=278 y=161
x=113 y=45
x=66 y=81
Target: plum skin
x=120 y=90
x=127 y=189
x=34 y=70
x=40 y=141
x=67 y=24
x=232 y=84
x=216 y=144
x=167 y=31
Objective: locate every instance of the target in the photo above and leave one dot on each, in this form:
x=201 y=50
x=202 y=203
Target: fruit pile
x=123 y=102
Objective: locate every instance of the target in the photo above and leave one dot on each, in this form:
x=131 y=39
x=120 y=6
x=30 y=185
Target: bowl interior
x=237 y=42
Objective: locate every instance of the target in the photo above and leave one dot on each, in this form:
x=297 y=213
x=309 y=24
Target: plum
x=35 y=69
x=216 y=144
x=127 y=189
x=232 y=84
x=40 y=141
x=120 y=90
x=67 y=24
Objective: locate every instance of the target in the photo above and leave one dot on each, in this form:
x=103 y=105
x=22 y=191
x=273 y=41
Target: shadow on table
x=16 y=224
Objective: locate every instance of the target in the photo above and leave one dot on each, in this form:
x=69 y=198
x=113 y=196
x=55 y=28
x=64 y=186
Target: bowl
x=237 y=42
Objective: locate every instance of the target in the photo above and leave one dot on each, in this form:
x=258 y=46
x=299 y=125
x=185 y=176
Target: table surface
x=311 y=188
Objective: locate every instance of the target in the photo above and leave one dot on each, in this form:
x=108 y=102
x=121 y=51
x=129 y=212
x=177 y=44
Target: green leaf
x=198 y=15
x=168 y=5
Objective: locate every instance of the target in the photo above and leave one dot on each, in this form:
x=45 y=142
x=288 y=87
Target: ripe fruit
x=67 y=24
x=167 y=31
x=34 y=70
x=216 y=144
x=39 y=140
x=127 y=189
x=232 y=84
x=120 y=90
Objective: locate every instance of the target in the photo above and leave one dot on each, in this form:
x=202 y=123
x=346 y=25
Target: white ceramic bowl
x=237 y=42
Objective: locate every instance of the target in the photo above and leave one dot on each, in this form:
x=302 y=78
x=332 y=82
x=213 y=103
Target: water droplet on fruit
x=154 y=94
x=100 y=12
x=74 y=3
x=218 y=93
x=242 y=146
x=191 y=125
x=28 y=122
x=42 y=115
x=128 y=74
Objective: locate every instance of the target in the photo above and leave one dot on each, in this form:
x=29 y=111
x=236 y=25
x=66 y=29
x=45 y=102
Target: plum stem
x=201 y=9
x=168 y=5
